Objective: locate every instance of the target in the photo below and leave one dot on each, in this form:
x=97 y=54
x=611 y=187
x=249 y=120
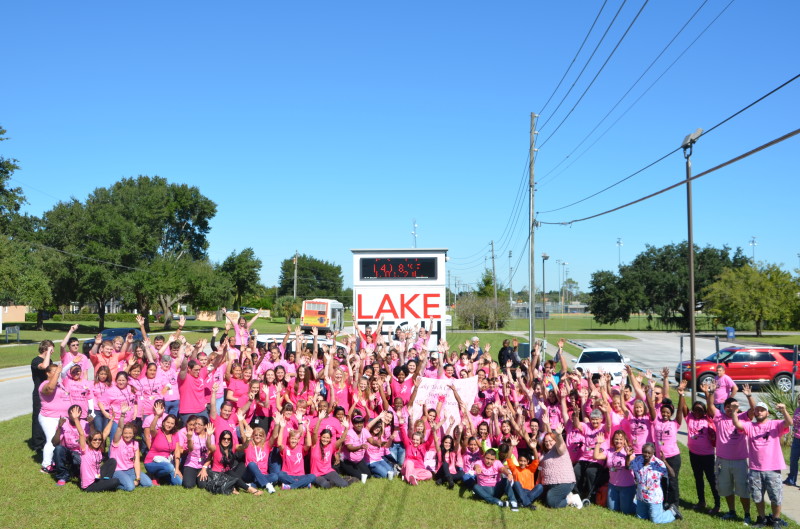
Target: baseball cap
x=762 y=404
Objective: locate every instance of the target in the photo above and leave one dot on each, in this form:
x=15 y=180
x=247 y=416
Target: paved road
x=16 y=387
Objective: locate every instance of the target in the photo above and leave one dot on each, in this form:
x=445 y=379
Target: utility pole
x=455 y=303
x=531 y=249
x=688 y=142
x=510 y=275
x=295 y=274
x=494 y=286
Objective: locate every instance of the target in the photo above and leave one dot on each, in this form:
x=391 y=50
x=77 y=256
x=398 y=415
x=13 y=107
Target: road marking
x=12 y=378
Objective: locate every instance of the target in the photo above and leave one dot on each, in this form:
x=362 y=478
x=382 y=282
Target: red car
x=745 y=365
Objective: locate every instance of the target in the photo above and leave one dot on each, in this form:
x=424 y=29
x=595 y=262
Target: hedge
x=119 y=316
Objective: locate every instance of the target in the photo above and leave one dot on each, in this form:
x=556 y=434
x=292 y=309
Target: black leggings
x=704 y=465
x=331 y=479
x=673 y=493
x=589 y=477
x=355 y=469
x=106 y=481
x=444 y=474
x=189 y=477
x=237 y=473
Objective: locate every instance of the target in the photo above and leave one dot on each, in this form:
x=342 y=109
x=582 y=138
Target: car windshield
x=724 y=356
x=594 y=357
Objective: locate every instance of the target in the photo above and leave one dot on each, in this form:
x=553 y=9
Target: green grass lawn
x=38 y=502
x=788 y=341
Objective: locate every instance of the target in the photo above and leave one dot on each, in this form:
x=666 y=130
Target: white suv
x=606 y=359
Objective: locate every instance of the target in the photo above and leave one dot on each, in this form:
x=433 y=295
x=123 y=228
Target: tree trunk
x=40 y=320
x=101 y=314
x=143 y=306
x=166 y=308
x=759 y=324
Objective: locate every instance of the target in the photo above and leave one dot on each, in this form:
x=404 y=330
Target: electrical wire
x=682 y=182
x=585 y=65
x=596 y=75
x=652 y=63
x=664 y=157
x=574 y=160
x=586 y=38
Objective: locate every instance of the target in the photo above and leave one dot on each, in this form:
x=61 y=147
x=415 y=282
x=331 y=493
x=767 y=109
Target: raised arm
x=253 y=319
x=71 y=330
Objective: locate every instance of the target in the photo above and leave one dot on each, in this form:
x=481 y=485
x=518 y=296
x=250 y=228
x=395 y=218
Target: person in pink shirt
x=96 y=476
x=192 y=389
x=169 y=374
x=377 y=446
x=731 y=464
x=322 y=455
x=162 y=446
x=72 y=355
x=119 y=395
x=665 y=434
x=766 y=458
x=702 y=438
x=493 y=481
x=292 y=474
x=618 y=457
x=55 y=404
x=196 y=442
x=256 y=456
x=125 y=451
x=102 y=384
x=67 y=452
x=103 y=353
x=241 y=327
x=78 y=388
x=725 y=388
x=354 y=461
x=451 y=464
x=152 y=388
x=237 y=388
x=226 y=460
x=416 y=447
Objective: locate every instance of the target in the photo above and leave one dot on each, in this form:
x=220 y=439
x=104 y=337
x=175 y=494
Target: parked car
x=606 y=359
x=745 y=365
x=248 y=310
x=110 y=334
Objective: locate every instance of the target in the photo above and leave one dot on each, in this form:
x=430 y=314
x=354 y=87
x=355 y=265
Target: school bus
x=324 y=314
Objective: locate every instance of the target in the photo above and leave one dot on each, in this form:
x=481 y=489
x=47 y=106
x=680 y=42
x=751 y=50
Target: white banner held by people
x=431 y=391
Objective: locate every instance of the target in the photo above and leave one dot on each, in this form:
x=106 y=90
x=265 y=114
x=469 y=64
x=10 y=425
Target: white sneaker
x=270 y=488
x=390 y=475
x=514 y=507
x=578 y=502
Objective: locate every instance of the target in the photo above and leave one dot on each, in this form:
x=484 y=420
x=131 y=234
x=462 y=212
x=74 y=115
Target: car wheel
x=784 y=383
x=704 y=379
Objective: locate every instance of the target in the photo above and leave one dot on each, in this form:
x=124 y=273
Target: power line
x=651 y=164
x=86 y=258
x=479 y=252
x=585 y=65
x=596 y=75
x=652 y=63
x=575 y=57
x=574 y=160
x=682 y=182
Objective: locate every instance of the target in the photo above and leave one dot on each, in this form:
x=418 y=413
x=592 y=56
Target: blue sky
x=322 y=127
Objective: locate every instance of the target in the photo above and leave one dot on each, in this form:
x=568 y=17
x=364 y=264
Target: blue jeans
x=100 y=421
x=654 y=512
x=219 y=403
x=253 y=474
x=171 y=407
x=493 y=494
x=380 y=469
x=67 y=462
x=163 y=470
x=126 y=478
x=398 y=453
x=794 y=456
x=525 y=496
x=556 y=495
x=620 y=499
x=296 y=482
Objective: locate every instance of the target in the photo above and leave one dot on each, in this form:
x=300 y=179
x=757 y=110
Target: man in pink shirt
x=766 y=458
x=726 y=388
x=731 y=461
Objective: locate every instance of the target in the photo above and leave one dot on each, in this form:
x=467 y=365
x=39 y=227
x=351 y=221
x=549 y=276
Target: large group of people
x=258 y=416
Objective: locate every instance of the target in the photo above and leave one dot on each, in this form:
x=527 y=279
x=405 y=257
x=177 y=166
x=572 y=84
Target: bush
x=30 y=316
x=75 y=317
x=481 y=313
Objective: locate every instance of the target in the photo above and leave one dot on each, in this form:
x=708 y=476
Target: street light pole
x=688 y=142
x=545 y=257
x=753 y=243
x=619 y=252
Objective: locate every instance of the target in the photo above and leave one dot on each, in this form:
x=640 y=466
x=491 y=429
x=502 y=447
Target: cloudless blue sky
x=326 y=126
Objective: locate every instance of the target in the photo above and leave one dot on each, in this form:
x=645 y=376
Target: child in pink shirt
x=493 y=481
x=292 y=474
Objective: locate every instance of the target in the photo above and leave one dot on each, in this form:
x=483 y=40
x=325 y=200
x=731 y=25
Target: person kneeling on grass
x=292 y=475
x=493 y=481
x=96 y=476
x=647 y=473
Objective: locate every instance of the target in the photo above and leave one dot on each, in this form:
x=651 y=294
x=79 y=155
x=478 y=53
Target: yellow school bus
x=324 y=314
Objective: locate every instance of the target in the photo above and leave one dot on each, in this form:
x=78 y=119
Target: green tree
x=612 y=298
x=242 y=270
x=480 y=312
x=315 y=278
x=288 y=307
x=23 y=280
x=11 y=198
x=765 y=294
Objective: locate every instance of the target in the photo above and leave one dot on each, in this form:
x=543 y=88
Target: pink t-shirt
x=488 y=476
x=80 y=391
x=91 y=461
x=731 y=443
x=725 y=386
x=589 y=440
x=639 y=431
x=375 y=453
x=258 y=455
x=239 y=390
x=199 y=453
x=124 y=453
x=403 y=390
x=574 y=440
x=161 y=446
x=666 y=438
x=117 y=397
x=193 y=394
x=170 y=382
x=618 y=473
x=100 y=394
x=321 y=458
x=79 y=359
x=293 y=460
x=470 y=458
x=355 y=439
x=69 y=435
x=764 y=443
x=150 y=392
x=57 y=403
x=229 y=424
x=701 y=432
